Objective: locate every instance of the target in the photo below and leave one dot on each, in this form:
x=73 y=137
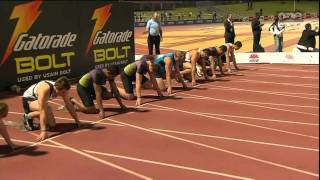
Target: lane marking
x=263 y=92
x=281 y=69
x=70 y=119
x=242 y=123
x=280 y=75
x=98 y=159
x=170 y=165
x=270 y=82
x=215 y=114
x=252 y=102
x=142 y=160
x=219 y=149
x=239 y=102
x=236 y=139
x=260 y=119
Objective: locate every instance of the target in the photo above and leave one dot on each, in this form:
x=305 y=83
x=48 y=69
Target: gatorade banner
x=48 y=39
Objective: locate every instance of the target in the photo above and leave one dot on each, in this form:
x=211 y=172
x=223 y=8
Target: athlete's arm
x=154 y=83
x=70 y=107
x=178 y=75
x=116 y=93
x=168 y=63
x=194 y=58
x=43 y=97
x=98 y=92
x=138 y=88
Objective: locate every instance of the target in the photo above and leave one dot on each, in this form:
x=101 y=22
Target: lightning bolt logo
x=26 y=14
x=101 y=15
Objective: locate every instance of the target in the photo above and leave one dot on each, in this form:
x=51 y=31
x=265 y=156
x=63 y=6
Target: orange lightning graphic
x=101 y=15
x=26 y=14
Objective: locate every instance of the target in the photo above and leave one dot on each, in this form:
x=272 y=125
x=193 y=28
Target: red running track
x=261 y=123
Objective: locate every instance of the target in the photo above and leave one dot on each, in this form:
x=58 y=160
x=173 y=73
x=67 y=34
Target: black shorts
x=223 y=58
x=25 y=103
x=160 y=72
x=127 y=82
x=87 y=94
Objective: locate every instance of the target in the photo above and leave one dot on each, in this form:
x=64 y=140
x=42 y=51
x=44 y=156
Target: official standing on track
x=154 y=33
x=229 y=33
x=256 y=30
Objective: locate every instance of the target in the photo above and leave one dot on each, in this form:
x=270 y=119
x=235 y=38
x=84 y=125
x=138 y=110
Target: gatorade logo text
x=26 y=14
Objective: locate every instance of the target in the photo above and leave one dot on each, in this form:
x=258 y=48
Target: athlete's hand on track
x=101 y=115
x=123 y=107
x=169 y=91
x=138 y=102
x=160 y=94
x=43 y=135
x=193 y=83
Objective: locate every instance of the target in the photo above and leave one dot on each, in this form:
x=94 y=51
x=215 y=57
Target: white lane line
x=116 y=105
x=254 y=102
x=263 y=92
x=280 y=75
x=239 y=102
x=170 y=165
x=251 y=102
x=270 y=82
x=260 y=119
x=142 y=160
x=214 y=114
x=236 y=139
x=281 y=69
x=70 y=119
x=77 y=151
x=279 y=92
x=219 y=149
x=29 y=142
x=242 y=123
x=270 y=93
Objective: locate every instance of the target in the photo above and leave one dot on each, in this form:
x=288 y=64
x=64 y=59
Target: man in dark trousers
x=256 y=30
x=307 y=41
x=154 y=33
x=229 y=33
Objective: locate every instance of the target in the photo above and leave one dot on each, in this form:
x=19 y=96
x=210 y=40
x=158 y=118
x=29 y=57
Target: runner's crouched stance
x=91 y=86
x=136 y=71
x=194 y=64
x=213 y=55
x=229 y=56
x=165 y=64
x=35 y=103
x=3 y=130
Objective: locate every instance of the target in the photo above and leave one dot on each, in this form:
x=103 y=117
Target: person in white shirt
x=154 y=31
x=277 y=28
